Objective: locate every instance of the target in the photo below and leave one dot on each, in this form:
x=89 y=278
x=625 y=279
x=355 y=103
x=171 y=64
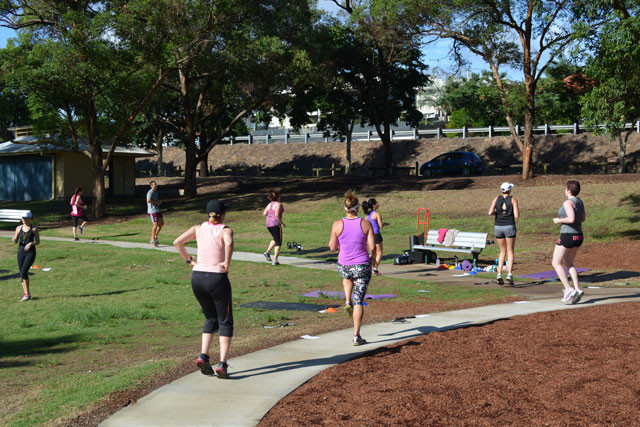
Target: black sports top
x=24 y=238
x=504 y=216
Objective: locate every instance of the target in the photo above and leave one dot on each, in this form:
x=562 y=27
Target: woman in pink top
x=77 y=213
x=273 y=212
x=351 y=235
x=210 y=282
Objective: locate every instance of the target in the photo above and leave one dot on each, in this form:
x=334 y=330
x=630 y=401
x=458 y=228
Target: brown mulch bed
x=573 y=367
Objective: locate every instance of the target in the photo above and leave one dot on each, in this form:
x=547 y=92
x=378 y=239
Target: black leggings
x=276 y=234
x=213 y=292
x=25 y=261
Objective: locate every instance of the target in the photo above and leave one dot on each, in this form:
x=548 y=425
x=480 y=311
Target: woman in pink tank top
x=351 y=235
x=210 y=282
x=273 y=212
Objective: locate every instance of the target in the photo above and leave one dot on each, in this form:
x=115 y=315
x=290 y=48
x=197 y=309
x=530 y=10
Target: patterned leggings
x=360 y=275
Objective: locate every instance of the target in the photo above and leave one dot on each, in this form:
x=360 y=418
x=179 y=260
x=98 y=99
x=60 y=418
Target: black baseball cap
x=216 y=206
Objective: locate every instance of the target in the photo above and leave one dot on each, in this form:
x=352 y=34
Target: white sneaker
x=568 y=295
x=577 y=296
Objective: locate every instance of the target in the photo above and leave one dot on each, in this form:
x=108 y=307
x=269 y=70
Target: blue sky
x=5 y=33
x=436 y=55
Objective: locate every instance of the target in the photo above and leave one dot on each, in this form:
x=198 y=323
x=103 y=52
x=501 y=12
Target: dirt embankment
x=558 y=152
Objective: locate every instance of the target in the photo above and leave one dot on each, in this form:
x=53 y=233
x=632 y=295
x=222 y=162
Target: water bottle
x=475 y=265
x=437 y=262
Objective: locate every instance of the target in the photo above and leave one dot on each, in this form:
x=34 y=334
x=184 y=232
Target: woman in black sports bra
x=27 y=237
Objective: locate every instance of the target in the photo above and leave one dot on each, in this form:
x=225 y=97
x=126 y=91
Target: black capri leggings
x=276 y=234
x=213 y=292
x=25 y=261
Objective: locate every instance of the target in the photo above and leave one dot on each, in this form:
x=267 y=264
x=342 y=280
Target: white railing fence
x=411 y=134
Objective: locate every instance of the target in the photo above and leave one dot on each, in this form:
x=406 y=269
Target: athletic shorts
x=156 y=217
x=276 y=234
x=360 y=275
x=76 y=218
x=377 y=237
x=502 y=231
x=570 y=240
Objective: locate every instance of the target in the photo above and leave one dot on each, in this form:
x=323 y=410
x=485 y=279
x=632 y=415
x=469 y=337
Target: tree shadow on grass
x=12 y=276
x=605 y=277
x=36 y=346
x=101 y=294
x=14 y=363
x=633 y=201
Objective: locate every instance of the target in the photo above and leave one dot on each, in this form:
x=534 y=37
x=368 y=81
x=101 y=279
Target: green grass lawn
x=612 y=211
x=105 y=318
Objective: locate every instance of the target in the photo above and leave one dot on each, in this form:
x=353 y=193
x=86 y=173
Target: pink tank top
x=272 y=220
x=353 y=243
x=210 y=248
x=75 y=210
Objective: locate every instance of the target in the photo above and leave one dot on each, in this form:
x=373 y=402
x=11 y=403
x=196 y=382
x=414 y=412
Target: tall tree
x=476 y=101
x=251 y=56
x=84 y=67
x=615 y=100
x=386 y=71
x=525 y=34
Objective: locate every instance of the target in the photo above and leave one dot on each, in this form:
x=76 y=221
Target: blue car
x=455 y=162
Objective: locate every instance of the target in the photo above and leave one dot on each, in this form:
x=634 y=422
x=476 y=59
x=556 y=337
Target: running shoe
x=81 y=229
x=376 y=272
x=26 y=297
x=577 y=296
x=499 y=279
x=76 y=238
x=349 y=309
x=153 y=243
x=358 y=340
x=221 y=370
x=202 y=362
x=509 y=280
x=568 y=295
x=267 y=256
x=275 y=263
x=157 y=242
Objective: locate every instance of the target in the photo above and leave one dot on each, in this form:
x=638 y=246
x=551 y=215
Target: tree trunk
x=527 y=149
x=527 y=146
x=99 y=192
x=190 y=182
x=347 y=169
x=203 y=165
x=622 y=142
x=159 y=139
x=388 y=154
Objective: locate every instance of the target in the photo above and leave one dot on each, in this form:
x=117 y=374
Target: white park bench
x=11 y=215
x=465 y=242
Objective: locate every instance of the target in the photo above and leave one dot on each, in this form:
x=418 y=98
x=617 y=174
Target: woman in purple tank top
x=351 y=235
x=370 y=209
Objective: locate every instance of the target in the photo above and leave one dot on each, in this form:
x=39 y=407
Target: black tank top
x=24 y=238
x=504 y=216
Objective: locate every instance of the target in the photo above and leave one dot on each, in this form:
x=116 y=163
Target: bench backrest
x=12 y=215
x=464 y=239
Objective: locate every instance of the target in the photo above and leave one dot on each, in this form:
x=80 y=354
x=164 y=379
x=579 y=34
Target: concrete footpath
x=257 y=381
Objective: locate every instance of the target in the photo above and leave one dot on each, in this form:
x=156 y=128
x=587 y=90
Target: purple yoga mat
x=549 y=274
x=318 y=294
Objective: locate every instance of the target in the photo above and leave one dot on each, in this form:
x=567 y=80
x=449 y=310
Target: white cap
x=506 y=186
x=27 y=214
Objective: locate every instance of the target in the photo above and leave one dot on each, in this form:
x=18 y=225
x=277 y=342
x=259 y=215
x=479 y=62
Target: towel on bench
x=441 y=233
x=450 y=236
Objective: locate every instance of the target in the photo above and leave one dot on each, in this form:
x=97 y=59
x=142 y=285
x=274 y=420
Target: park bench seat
x=465 y=242
x=12 y=215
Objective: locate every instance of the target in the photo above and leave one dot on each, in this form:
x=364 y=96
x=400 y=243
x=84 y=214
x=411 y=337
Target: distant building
x=30 y=170
x=427 y=100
